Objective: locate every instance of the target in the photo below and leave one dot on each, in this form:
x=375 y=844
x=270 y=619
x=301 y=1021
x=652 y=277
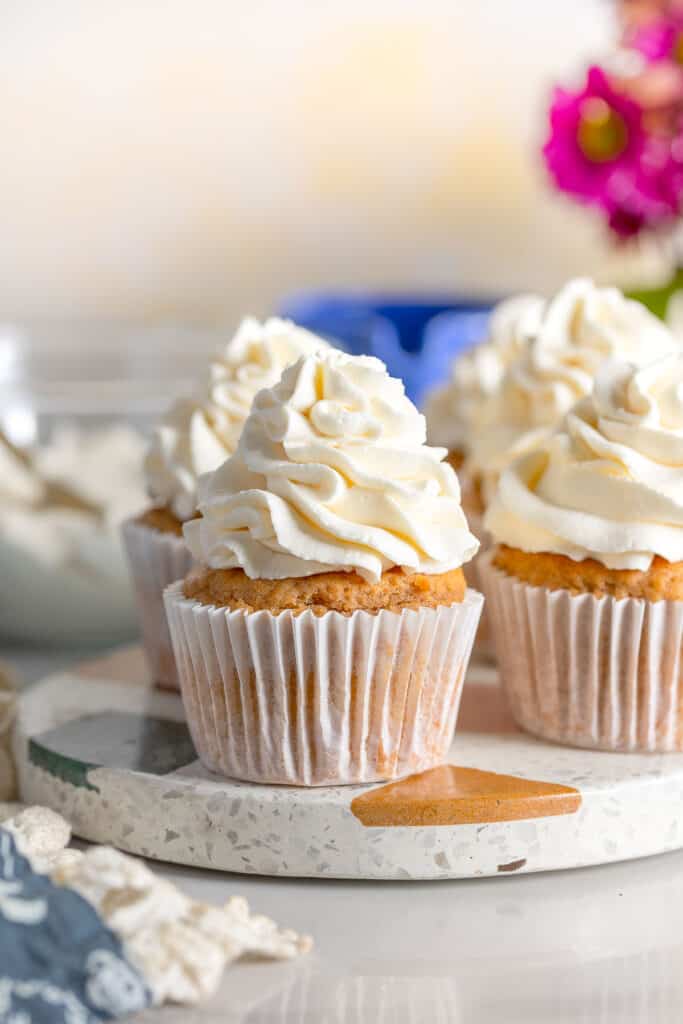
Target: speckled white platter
x=113 y=755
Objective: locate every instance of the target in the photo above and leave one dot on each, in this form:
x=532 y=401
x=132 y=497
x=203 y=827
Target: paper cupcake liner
x=484 y=646
x=155 y=559
x=311 y=700
x=590 y=672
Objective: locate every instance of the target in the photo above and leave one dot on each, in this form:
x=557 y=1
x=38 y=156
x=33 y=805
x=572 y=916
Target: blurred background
x=167 y=167
x=166 y=160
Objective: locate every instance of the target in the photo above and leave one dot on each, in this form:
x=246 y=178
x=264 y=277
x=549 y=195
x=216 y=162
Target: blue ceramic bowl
x=417 y=336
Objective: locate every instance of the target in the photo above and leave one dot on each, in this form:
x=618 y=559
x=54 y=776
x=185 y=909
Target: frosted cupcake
x=197 y=435
x=585 y=587
x=453 y=410
x=578 y=330
x=325 y=636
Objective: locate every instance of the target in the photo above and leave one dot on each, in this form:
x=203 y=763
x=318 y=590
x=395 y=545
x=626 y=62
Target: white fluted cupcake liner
x=311 y=700
x=484 y=646
x=155 y=559
x=589 y=672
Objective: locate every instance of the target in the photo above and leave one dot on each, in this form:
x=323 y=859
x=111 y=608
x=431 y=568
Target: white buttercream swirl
x=452 y=409
x=332 y=473
x=198 y=433
x=581 y=328
x=609 y=486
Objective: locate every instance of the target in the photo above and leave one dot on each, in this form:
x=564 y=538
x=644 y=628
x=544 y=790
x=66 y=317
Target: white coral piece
x=180 y=945
x=41 y=836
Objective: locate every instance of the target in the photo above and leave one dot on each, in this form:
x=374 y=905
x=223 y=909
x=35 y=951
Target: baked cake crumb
x=344 y=592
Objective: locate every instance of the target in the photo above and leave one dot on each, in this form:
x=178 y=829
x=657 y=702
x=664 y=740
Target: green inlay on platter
x=112 y=739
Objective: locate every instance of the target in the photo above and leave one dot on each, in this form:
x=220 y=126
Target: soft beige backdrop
x=197 y=158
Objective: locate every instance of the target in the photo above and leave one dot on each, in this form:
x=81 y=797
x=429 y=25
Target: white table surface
x=594 y=945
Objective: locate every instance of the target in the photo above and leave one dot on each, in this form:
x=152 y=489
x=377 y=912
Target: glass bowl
x=76 y=403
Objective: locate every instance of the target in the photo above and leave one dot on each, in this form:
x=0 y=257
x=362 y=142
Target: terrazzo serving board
x=111 y=753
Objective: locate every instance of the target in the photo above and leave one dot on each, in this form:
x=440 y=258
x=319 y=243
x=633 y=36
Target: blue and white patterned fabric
x=59 y=962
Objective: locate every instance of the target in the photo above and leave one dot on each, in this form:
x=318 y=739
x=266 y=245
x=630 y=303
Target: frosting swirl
x=581 y=328
x=332 y=473
x=198 y=433
x=610 y=485
x=452 y=409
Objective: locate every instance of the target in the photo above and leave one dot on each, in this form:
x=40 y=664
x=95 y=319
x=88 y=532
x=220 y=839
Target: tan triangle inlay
x=450 y=795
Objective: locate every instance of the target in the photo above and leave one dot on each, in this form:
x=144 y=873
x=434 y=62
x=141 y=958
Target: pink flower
x=639 y=201
x=600 y=152
x=661 y=39
x=593 y=133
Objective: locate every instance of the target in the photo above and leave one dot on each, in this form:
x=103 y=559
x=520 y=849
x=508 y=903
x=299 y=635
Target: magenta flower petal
x=656 y=40
x=601 y=153
x=649 y=195
x=593 y=134
x=638 y=201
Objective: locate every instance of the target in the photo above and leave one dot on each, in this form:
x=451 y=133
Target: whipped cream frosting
x=332 y=472
x=580 y=329
x=198 y=433
x=452 y=409
x=609 y=486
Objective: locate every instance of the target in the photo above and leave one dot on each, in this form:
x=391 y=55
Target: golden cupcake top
x=609 y=484
x=199 y=432
x=332 y=473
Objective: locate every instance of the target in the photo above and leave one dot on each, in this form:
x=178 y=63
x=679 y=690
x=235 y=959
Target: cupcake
x=197 y=435
x=559 y=350
x=324 y=636
x=452 y=410
x=585 y=585
x=578 y=331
